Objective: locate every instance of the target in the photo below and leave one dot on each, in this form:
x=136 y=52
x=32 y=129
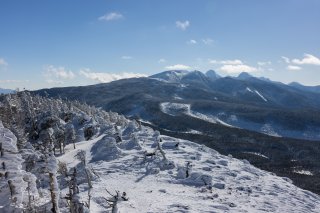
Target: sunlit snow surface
x=216 y=183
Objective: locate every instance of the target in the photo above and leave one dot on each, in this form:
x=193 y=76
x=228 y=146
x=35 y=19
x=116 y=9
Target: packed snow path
x=194 y=178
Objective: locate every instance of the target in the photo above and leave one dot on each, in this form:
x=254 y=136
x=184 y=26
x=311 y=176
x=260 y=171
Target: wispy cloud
x=108 y=77
x=233 y=66
x=126 y=57
x=162 y=60
x=51 y=81
x=14 y=81
x=264 y=63
x=292 y=67
x=192 y=41
x=308 y=59
x=111 y=16
x=207 y=41
x=229 y=68
x=58 y=72
x=183 y=25
x=178 y=67
x=230 y=62
x=3 y=62
x=286 y=59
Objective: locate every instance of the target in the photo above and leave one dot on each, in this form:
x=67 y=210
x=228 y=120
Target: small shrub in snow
x=89 y=132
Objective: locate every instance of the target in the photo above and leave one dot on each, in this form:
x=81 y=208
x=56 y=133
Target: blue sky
x=78 y=42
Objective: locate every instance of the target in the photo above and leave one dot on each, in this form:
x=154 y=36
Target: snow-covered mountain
x=172 y=76
x=245 y=102
x=66 y=156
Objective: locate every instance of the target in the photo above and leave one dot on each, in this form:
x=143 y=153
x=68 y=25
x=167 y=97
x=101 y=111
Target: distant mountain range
x=245 y=102
x=5 y=91
x=297 y=85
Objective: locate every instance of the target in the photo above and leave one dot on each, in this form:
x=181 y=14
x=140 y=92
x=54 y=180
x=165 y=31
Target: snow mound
x=105 y=149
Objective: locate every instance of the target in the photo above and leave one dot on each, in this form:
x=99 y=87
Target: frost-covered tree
x=70 y=135
x=41 y=126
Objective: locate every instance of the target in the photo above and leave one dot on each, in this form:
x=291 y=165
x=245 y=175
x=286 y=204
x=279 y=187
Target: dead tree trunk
x=60 y=147
x=12 y=188
x=161 y=150
x=55 y=207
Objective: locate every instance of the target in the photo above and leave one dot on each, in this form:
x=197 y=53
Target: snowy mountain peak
x=172 y=76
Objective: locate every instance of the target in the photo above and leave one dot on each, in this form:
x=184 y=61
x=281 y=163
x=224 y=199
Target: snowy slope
x=174 y=109
x=216 y=183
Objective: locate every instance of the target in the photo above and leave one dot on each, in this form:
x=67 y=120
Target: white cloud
x=178 y=67
x=233 y=66
x=3 y=62
x=237 y=68
x=286 y=59
x=108 y=77
x=162 y=60
x=264 y=63
x=292 y=67
x=192 y=41
x=111 y=17
x=126 y=57
x=58 y=72
x=230 y=62
x=182 y=25
x=50 y=81
x=307 y=59
x=207 y=41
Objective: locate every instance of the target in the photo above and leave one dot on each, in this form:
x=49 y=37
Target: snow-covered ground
x=213 y=183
